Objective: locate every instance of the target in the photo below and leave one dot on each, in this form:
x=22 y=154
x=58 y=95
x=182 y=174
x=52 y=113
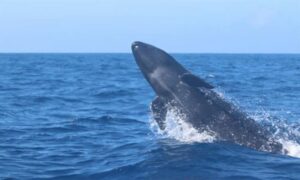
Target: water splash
x=287 y=134
x=291 y=148
x=177 y=128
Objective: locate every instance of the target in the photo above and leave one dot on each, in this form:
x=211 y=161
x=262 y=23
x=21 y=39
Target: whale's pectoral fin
x=195 y=81
x=159 y=111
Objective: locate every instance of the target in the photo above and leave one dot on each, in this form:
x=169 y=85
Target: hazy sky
x=270 y=26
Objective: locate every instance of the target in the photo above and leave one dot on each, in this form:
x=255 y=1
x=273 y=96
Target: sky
x=197 y=26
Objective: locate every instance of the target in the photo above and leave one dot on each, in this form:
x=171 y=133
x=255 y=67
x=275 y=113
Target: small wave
x=210 y=76
x=259 y=78
x=108 y=94
x=106 y=119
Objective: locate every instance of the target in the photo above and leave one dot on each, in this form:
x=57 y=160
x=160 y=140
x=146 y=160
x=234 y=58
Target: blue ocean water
x=86 y=116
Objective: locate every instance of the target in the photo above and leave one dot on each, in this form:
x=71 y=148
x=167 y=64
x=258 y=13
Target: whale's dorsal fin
x=195 y=81
x=159 y=111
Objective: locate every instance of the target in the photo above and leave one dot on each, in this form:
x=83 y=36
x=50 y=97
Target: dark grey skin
x=204 y=109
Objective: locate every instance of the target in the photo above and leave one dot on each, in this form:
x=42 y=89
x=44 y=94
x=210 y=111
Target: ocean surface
x=86 y=116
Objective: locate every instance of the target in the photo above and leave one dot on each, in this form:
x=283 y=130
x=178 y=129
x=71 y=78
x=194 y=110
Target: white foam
x=291 y=148
x=177 y=128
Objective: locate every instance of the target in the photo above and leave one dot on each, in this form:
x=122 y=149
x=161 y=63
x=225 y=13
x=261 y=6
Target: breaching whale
x=196 y=99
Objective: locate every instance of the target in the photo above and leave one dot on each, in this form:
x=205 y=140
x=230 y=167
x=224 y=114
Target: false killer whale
x=193 y=97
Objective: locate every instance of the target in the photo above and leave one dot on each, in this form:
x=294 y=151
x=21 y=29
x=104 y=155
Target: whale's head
x=160 y=69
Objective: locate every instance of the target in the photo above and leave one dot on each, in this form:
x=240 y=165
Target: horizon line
x=65 y=52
